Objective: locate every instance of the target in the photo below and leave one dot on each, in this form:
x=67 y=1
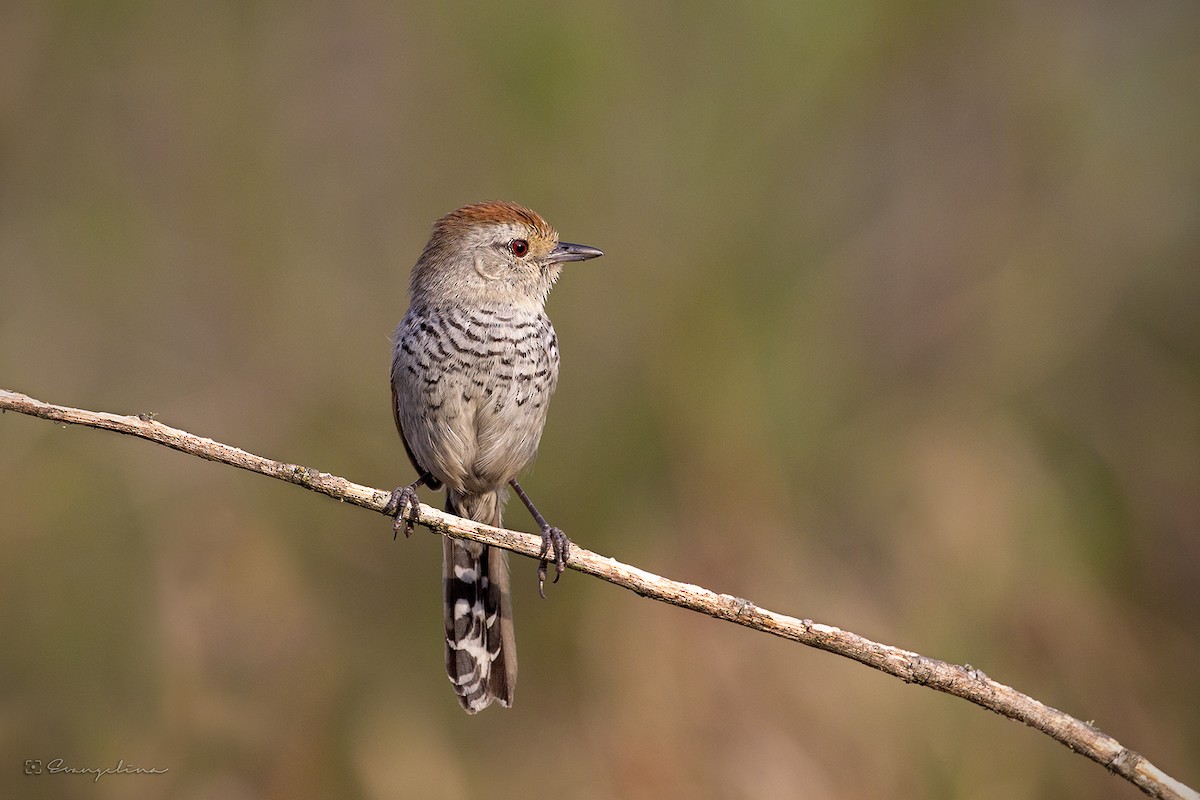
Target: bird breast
x=472 y=389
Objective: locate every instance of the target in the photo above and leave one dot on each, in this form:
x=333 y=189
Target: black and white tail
x=481 y=654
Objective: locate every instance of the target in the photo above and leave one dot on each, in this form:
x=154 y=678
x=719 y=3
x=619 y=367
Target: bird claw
x=553 y=540
x=404 y=508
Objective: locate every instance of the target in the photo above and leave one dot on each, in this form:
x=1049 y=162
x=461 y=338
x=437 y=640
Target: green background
x=898 y=329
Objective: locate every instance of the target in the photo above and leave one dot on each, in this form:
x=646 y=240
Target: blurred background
x=898 y=329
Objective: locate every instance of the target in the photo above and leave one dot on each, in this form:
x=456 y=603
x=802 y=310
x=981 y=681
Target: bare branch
x=961 y=681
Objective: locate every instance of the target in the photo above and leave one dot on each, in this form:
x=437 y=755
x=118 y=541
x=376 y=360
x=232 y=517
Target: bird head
x=493 y=252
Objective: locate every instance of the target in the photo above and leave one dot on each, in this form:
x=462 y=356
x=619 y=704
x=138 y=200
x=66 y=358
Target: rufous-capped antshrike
x=474 y=366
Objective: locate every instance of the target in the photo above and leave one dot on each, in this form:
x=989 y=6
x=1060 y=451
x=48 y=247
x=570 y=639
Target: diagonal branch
x=961 y=681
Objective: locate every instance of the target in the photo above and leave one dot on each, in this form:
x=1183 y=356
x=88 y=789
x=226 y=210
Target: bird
x=474 y=363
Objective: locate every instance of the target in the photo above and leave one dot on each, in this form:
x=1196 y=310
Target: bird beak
x=572 y=252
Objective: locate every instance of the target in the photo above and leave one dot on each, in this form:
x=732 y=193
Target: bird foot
x=404 y=508
x=555 y=542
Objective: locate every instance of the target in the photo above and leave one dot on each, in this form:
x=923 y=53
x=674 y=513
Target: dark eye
x=519 y=247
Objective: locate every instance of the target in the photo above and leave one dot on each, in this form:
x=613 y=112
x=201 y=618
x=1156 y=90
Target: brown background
x=898 y=329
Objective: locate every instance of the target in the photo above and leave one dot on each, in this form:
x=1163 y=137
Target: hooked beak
x=572 y=252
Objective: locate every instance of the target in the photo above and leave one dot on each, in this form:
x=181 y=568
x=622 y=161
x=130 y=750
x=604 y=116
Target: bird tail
x=481 y=653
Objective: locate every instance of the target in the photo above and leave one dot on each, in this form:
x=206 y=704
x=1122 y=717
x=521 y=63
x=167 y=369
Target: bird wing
x=431 y=482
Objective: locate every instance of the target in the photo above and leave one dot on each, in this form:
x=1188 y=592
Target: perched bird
x=474 y=366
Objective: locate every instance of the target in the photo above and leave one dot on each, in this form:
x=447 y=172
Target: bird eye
x=519 y=247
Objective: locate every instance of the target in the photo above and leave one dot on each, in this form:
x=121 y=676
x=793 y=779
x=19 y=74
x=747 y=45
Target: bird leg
x=404 y=507
x=553 y=540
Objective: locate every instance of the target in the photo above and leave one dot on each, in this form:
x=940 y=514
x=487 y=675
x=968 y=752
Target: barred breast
x=473 y=386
